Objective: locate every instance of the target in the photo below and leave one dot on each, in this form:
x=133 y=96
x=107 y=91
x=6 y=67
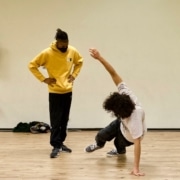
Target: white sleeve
x=136 y=125
x=123 y=89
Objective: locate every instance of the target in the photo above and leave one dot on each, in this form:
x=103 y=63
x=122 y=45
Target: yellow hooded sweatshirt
x=59 y=66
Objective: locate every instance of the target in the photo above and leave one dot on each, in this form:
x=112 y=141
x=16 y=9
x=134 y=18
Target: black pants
x=59 y=109
x=112 y=131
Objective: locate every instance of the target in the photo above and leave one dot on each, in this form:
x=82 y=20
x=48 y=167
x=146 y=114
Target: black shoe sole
x=54 y=156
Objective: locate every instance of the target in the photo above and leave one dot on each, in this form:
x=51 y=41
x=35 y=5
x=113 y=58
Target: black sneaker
x=65 y=149
x=54 y=153
x=92 y=148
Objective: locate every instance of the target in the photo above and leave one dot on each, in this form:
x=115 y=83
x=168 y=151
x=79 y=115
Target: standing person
x=63 y=63
x=129 y=127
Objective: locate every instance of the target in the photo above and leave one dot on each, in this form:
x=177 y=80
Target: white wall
x=141 y=39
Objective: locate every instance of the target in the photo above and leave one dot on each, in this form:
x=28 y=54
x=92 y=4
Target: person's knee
x=103 y=137
x=99 y=137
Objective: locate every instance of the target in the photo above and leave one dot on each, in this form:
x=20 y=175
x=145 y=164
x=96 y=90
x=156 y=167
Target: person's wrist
x=100 y=58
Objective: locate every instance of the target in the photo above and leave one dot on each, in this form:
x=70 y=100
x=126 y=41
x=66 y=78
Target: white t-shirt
x=134 y=126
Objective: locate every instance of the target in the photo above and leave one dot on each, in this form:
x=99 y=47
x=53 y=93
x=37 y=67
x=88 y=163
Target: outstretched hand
x=94 y=53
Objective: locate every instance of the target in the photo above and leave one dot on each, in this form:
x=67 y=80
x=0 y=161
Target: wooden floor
x=25 y=156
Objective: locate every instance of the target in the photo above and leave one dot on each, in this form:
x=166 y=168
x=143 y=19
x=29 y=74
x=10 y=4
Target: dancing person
x=129 y=127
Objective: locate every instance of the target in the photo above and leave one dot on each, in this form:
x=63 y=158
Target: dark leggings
x=112 y=131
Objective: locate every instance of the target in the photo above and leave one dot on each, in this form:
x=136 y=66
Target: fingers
x=94 y=53
x=50 y=81
x=137 y=173
x=93 y=50
x=70 y=79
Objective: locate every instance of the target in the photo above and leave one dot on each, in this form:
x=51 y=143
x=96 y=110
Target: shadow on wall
x=3 y=63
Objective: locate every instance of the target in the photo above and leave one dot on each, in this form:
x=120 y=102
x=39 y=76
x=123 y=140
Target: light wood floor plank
x=25 y=156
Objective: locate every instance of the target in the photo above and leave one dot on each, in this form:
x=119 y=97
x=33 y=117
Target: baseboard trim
x=149 y=129
x=97 y=129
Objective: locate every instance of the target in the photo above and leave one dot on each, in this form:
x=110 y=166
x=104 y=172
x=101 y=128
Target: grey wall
x=140 y=38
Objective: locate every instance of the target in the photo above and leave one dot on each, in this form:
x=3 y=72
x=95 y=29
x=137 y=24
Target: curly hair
x=120 y=105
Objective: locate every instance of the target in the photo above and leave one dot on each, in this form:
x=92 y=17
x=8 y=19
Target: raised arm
x=96 y=55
